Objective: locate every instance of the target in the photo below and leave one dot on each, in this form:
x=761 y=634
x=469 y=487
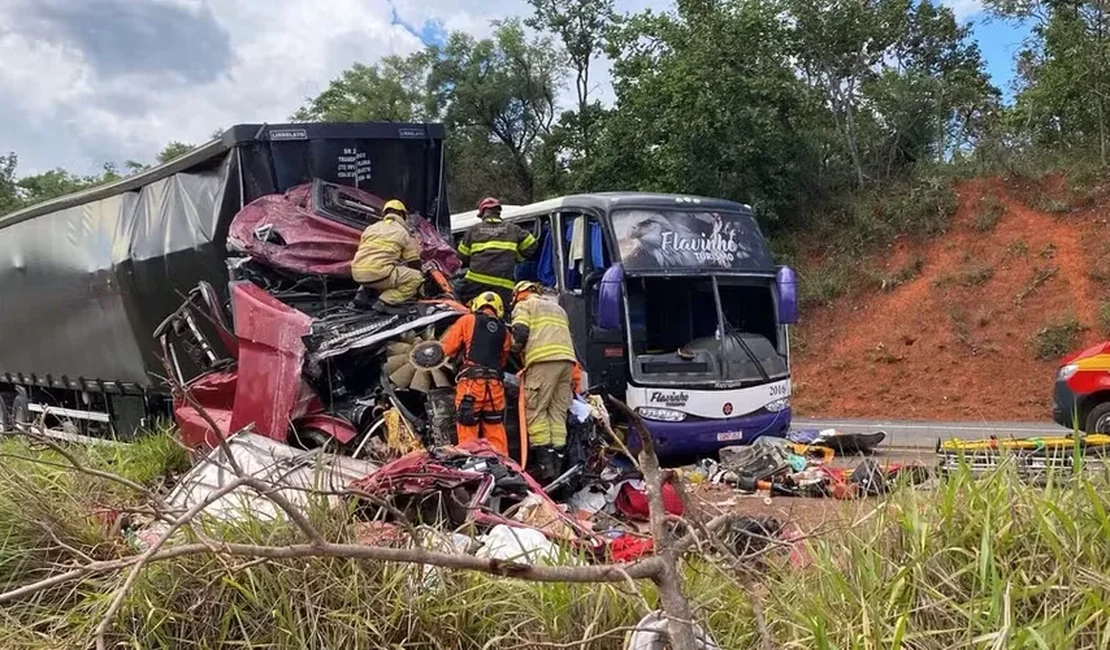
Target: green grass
x=1040 y=276
x=907 y=273
x=958 y=567
x=1018 y=248
x=988 y=213
x=1057 y=338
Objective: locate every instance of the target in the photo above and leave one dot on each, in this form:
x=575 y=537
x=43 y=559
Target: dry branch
x=663 y=569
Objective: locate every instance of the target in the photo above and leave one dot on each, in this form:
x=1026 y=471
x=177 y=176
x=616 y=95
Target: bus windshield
x=709 y=330
x=654 y=240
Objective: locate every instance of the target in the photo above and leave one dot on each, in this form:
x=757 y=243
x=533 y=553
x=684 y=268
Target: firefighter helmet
x=488 y=299
x=489 y=204
x=523 y=287
x=394 y=206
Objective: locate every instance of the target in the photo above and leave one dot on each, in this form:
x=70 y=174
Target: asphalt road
x=910 y=435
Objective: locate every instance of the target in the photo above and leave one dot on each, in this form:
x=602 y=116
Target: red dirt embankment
x=955 y=342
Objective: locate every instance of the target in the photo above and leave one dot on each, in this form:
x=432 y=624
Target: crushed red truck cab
x=1081 y=399
x=304 y=364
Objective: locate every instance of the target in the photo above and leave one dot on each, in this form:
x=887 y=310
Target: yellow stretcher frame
x=1060 y=443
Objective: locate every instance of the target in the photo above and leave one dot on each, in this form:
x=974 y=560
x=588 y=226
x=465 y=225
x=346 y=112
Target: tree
x=1063 y=72
x=9 y=191
x=841 y=45
x=693 y=116
x=172 y=150
x=581 y=26
x=505 y=85
x=392 y=90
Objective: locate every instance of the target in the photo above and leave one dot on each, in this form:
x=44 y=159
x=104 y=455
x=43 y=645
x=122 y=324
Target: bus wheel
x=1098 y=420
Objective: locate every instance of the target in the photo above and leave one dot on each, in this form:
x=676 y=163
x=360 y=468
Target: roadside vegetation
x=1057 y=338
x=991 y=562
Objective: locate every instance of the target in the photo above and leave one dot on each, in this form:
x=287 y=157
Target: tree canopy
x=783 y=104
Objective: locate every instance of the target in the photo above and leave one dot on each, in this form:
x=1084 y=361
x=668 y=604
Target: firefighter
x=388 y=260
x=482 y=339
x=541 y=333
x=491 y=250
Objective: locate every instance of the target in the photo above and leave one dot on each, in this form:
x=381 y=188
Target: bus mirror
x=788 y=295
x=608 y=314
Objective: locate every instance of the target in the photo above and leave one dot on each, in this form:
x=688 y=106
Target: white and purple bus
x=676 y=306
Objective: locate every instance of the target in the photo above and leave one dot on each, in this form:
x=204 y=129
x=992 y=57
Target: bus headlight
x=778 y=405
x=1066 y=372
x=663 y=415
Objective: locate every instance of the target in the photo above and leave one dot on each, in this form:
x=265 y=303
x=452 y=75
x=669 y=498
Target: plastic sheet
x=103 y=267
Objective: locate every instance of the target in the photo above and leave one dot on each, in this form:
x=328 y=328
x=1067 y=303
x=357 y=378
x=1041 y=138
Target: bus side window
x=533 y=268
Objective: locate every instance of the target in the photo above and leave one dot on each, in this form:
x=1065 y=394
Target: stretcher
x=1029 y=456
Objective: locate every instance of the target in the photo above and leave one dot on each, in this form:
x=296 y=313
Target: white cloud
x=62 y=104
x=57 y=109
x=964 y=9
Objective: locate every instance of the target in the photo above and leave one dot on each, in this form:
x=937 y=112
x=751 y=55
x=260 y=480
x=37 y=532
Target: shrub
x=989 y=212
x=1056 y=339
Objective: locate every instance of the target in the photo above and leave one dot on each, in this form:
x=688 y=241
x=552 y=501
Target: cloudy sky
x=88 y=81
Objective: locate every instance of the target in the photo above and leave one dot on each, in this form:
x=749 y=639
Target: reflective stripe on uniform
x=488 y=279
x=381 y=245
x=493 y=246
x=464 y=249
x=532 y=323
x=528 y=242
x=551 y=351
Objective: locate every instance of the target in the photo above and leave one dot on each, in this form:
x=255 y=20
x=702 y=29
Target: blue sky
x=999 y=42
x=88 y=81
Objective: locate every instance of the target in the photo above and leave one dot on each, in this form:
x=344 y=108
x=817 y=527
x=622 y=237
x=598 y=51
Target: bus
x=676 y=306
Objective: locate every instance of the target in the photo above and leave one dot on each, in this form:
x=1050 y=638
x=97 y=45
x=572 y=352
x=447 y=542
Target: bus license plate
x=730 y=436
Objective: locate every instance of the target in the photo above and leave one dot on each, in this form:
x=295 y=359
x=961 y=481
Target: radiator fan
x=417 y=363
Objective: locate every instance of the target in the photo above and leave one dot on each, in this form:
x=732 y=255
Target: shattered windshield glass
x=676 y=334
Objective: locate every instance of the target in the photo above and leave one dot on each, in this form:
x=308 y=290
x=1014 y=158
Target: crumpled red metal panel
x=419 y=472
x=314 y=244
x=215 y=392
x=311 y=243
x=270 y=392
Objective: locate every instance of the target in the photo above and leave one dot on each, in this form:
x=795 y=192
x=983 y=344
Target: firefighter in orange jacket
x=482 y=339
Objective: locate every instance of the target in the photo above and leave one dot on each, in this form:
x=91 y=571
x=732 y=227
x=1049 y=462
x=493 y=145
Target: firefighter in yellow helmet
x=541 y=333
x=388 y=259
x=481 y=339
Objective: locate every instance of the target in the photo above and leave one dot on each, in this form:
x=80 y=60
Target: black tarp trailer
x=86 y=278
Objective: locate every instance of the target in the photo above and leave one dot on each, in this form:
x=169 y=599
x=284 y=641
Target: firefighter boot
x=542 y=465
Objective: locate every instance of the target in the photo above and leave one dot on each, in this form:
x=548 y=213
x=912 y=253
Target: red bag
x=627 y=548
x=633 y=503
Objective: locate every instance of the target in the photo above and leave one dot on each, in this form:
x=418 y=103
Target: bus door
x=585 y=257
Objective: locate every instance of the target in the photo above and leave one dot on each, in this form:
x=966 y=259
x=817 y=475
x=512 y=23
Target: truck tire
x=21 y=414
x=6 y=422
x=1098 y=420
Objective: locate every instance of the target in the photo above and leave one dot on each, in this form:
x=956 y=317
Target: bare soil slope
x=959 y=333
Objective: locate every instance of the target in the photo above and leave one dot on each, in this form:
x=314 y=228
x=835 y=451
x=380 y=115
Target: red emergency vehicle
x=1081 y=399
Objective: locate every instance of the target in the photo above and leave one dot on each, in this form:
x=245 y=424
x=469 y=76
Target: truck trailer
x=87 y=278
